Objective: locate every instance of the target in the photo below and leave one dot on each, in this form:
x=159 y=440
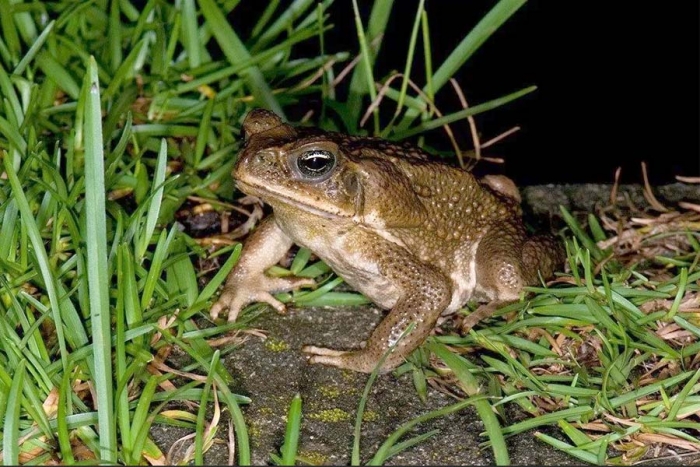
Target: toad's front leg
x=248 y=283
x=423 y=294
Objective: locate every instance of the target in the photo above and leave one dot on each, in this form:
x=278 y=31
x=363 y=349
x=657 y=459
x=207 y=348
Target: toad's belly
x=329 y=241
x=365 y=277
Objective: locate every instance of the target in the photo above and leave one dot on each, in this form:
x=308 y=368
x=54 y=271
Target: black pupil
x=315 y=163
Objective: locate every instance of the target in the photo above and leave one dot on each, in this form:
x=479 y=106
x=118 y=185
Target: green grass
x=113 y=117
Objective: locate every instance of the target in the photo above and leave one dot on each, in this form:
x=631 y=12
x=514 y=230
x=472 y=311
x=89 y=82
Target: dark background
x=617 y=83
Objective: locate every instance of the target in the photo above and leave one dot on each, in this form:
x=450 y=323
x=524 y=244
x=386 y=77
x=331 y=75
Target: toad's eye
x=315 y=163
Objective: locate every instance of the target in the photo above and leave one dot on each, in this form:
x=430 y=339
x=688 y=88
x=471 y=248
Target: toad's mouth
x=273 y=195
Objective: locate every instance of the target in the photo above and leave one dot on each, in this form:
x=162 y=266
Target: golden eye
x=315 y=163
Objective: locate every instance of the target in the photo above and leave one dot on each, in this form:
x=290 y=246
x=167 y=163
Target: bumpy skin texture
x=416 y=236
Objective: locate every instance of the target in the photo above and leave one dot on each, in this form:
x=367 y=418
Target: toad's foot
x=356 y=360
x=240 y=292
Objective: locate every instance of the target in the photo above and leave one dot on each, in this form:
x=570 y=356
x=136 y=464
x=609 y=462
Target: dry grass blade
x=691 y=206
x=384 y=90
x=654 y=438
x=684 y=179
x=470 y=119
x=231 y=444
x=615 y=187
x=648 y=192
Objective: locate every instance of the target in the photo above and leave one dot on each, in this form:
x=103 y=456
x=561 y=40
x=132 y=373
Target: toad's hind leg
x=542 y=254
x=389 y=334
x=423 y=294
x=499 y=266
x=506 y=262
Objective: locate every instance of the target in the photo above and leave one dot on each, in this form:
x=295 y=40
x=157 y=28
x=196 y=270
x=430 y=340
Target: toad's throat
x=272 y=195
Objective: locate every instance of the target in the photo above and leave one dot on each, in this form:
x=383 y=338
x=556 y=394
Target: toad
x=417 y=236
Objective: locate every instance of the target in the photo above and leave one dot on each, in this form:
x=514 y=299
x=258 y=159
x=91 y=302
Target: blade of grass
x=62 y=414
x=199 y=431
x=154 y=272
x=124 y=294
x=34 y=49
x=235 y=52
x=305 y=297
x=243 y=446
x=681 y=397
x=403 y=445
x=222 y=380
x=682 y=283
x=41 y=257
x=264 y=19
x=362 y=81
x=125 y=70
x=428 y=57
x=577 y=436
x=97 y=273
x=190 y=33
x=15 y=138
x=220 y=277
x=114 y=37
x=649 y=389
x=546 y=419
x=141 y=420
x=9 y=29
x=58 y=74
x=203 y=133
x=389 y=445
x=490 y=23
x=409 y=59
x=7 y=90
x=300 y=261
x=355 y=457
x=687 y=326
x=470 y=385
x=10 y=438
x=156 y=199
x=462 y=114
x=580 y=454
x=291 y=434
x=181 y=278
x=283 y=22
x=25 y=26
x=586 y=240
